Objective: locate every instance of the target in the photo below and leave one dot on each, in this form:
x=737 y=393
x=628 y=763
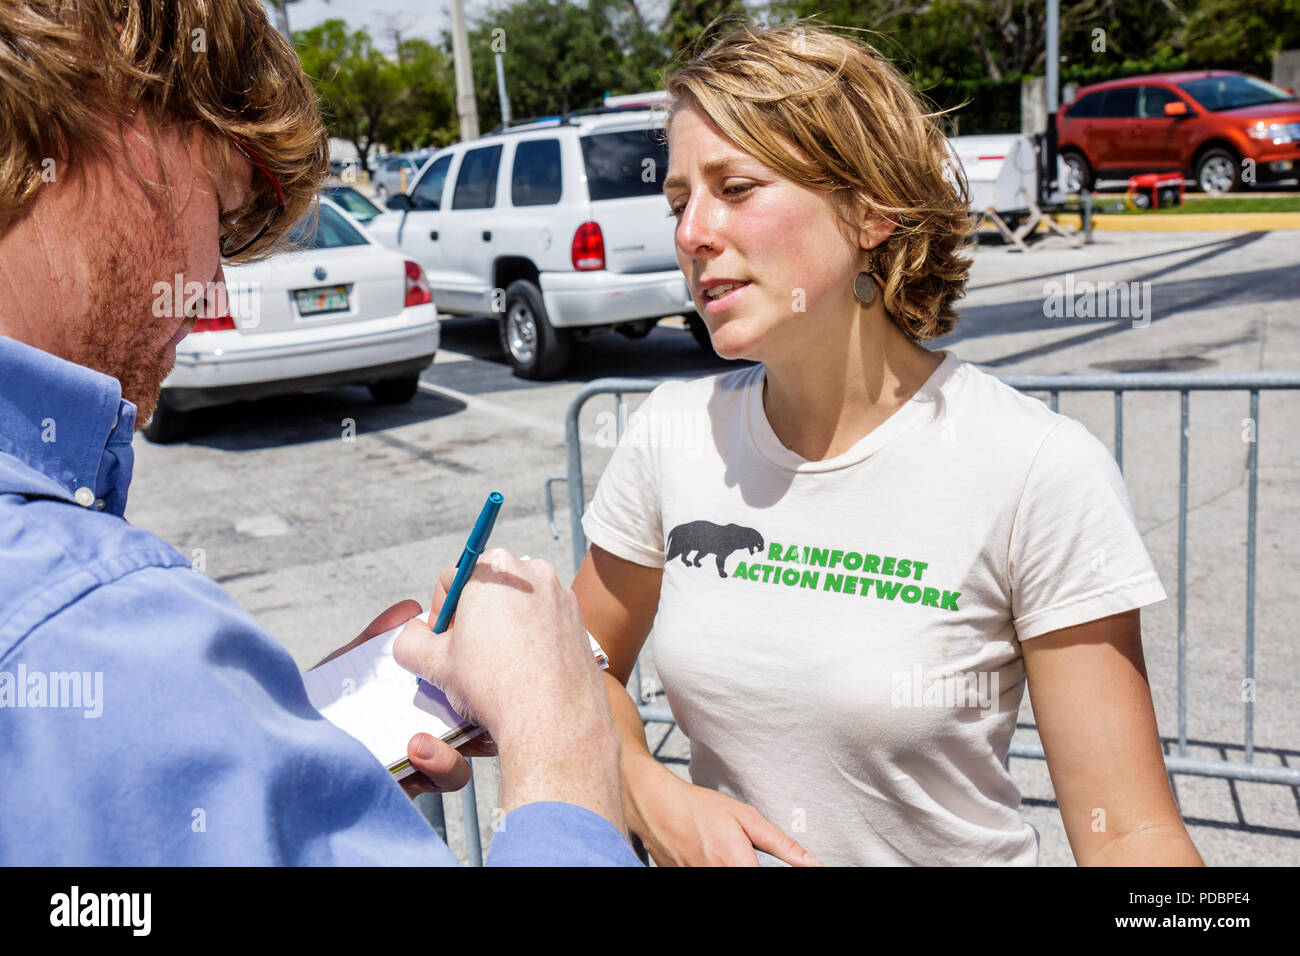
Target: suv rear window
x=624 y=164
x=476 y=183
x=535 y=180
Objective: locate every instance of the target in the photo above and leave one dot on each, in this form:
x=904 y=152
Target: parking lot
x=316 y=526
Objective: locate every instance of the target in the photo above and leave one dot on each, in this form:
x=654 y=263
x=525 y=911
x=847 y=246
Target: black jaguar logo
x=705 y=537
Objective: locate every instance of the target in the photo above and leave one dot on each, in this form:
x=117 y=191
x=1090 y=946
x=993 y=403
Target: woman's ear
x=875 y=229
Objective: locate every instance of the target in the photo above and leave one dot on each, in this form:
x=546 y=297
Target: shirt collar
x=67 y=422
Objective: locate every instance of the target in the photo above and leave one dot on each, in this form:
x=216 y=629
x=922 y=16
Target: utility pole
x=1048 y=180
x=282 y=18
x=465 y=105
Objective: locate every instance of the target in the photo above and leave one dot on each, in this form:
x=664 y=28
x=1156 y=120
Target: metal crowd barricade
x=1118 y=383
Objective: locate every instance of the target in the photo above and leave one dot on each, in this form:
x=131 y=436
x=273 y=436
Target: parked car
x=394 y=176
x=345 y=167
x=555 y=228
x=1211 y=125
x=342 y=310
x=357 y=206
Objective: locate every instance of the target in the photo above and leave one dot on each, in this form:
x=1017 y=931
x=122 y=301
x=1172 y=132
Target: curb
x=1188 y=222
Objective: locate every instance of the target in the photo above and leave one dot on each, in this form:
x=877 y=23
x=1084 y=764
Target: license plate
x=330 y=298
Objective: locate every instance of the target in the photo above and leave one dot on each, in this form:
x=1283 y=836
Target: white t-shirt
x=840 y=639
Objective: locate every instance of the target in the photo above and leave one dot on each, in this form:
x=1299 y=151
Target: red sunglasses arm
x=256 y=161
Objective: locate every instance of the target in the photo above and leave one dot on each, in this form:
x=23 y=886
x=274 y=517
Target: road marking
x=504 y=412
x=447 y=356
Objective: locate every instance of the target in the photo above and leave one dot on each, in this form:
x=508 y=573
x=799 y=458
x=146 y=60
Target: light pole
x=501 y=91
x=1052 y=91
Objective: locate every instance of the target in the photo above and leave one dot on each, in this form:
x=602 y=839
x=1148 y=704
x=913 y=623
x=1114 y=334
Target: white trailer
x=1002 y=174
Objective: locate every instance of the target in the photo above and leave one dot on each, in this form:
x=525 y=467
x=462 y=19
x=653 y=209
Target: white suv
x=556 y=227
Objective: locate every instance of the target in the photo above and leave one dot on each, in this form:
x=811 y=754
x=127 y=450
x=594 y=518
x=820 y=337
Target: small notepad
x=366 y=693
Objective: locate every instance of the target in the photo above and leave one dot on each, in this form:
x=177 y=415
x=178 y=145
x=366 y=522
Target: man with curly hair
x=144 y=717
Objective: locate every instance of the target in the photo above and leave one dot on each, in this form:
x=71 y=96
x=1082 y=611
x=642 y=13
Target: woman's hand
x=685 y=825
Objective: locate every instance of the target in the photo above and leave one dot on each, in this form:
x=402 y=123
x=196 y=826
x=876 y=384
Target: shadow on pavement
x=1168 y=301
x=667 y=352
x=308 y=417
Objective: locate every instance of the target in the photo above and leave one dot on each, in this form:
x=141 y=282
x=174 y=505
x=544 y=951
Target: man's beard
x=121 y=333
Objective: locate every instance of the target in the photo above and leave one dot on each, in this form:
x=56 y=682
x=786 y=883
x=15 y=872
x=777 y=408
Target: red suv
x=1205 y=124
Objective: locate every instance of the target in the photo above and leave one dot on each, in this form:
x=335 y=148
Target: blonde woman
x=875 y=548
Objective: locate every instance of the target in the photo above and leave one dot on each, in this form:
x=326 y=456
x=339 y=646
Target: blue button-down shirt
x=145 y=718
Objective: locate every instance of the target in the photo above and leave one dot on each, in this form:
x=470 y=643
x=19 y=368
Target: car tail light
x=417 y=285
x=223 y=323
x=588 y=247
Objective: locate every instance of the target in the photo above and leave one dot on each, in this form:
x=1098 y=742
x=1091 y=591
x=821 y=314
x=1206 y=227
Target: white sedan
x=340 y=310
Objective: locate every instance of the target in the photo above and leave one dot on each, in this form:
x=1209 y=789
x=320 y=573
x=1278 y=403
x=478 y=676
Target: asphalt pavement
x=315 y=535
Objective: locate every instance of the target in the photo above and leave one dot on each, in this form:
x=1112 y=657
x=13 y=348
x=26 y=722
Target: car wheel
x=700 y=332
x=1078 y=177
x=395 y=391
x=167 y=424
x=534 y=347
x=1218 y=172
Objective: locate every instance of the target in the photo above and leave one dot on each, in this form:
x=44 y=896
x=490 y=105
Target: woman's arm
x=679 y=822
x=618 y=600
x=1091 y=700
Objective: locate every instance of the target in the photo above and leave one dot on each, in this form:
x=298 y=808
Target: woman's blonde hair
x=868 y=140
x=73 y=72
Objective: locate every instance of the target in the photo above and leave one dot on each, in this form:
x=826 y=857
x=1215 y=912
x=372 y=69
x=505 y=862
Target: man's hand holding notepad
x=368 y=693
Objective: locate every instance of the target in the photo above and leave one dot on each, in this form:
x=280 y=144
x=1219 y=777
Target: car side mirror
x=399 y=202
x=1175 y=109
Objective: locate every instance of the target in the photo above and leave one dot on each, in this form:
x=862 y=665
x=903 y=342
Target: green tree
x=1241 y=34
x=926 y=41
x=359 y=87
x=687 y=19
x=425 y=111
x=559 y=55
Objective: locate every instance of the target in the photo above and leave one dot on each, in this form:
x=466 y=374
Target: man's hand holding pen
x=516 y=661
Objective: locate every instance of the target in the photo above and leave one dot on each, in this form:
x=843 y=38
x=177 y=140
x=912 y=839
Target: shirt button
x=85 y=497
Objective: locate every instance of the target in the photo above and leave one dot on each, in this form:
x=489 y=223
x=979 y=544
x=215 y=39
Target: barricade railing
x=1118 y=383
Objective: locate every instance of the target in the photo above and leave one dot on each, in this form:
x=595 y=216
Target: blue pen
x=474 y=547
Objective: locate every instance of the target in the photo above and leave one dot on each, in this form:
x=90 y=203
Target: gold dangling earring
x=864 y=286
